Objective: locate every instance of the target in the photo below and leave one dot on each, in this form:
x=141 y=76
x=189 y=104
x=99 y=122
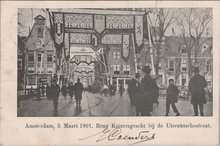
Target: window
x=39 y=57
x=171 y=65
x=19 y=63
x=126 y=69
x=208 y=65
x=116 y=55
x=40 y=32
x=31 y=80
x=31 y=56
x=184 y=65
x=116 y=69
x=49 y=68
x=49 y=57
x=30 y=68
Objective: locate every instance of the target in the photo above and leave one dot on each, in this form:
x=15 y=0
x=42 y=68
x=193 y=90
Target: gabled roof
x=39 y=17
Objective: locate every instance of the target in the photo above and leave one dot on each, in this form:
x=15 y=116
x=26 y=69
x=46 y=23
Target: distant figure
x=150 y=92
x=105 y=89
x=172 y=97
x=48 y=91
x=197 y=85
x=54 y=93
x=132 y=88
x=38 y=92
x=78 y=88
x=71 y=90
x=111 y=90
x=121 y=89
x=64 y=90
x=42 y=90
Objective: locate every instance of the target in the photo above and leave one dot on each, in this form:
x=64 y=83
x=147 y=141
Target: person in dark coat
x=54 y=94
x=64 y=90
x=172 y=97
x=48 y=91
x=71 y=90
x=150 y=92
x=197 y=85
x=78 y=88
x=135 y=91
x=132 y=88
x=42 y=89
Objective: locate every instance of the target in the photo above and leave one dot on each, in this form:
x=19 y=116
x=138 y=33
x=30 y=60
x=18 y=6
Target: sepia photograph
x=114 y=62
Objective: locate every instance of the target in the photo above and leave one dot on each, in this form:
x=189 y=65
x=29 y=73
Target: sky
x=26 y=19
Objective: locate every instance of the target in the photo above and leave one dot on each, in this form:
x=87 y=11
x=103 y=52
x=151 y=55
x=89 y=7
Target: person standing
x=197 y=85
x=172 y=97
x=64 y=90
x=48 y=91
x=42 y=89
x=54 y=93
x=150 y=92
x=78 y=88
x=71 y=90
x=132 y=88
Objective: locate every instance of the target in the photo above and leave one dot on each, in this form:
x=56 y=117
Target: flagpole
x=135 y=57
x=150 y=43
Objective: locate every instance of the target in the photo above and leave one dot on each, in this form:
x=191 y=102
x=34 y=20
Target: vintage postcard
x=109 y=73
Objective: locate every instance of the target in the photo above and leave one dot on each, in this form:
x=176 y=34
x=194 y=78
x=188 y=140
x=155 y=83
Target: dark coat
x=196 y=87
x=172 y=94
x=54 y=91
x=150 y=92
x=78 y=89
x=133 y=91
x=48 y=91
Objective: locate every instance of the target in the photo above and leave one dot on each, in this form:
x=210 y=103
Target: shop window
x=31 y=80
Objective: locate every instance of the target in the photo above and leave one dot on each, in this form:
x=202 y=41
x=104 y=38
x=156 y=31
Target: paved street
x=96 y=105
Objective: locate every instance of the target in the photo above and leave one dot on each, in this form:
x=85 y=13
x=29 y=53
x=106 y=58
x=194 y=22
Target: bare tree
x=193 y=23
x=162 y=20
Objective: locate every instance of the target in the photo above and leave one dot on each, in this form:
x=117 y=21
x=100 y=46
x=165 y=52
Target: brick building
x=40 y=50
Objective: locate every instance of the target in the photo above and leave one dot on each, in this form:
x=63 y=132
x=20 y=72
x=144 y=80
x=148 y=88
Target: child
x=172 y=97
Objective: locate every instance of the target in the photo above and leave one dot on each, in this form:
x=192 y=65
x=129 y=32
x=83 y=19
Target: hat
x=146 y=68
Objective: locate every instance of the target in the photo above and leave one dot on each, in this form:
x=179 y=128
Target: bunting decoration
x=67 y=45
x=99 y=23
x=59 y=28
x=126 y=47
x=139 y=31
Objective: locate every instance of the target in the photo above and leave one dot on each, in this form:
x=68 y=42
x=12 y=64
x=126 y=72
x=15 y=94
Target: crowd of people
x=53 y=91
x=144 y=93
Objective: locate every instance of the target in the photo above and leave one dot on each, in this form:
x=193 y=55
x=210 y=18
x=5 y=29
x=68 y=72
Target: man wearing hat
x=150 y=92
x=55 y=91
x=78 y=88
x=197 y=85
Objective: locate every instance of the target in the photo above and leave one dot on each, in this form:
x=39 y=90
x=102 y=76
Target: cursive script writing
x=116 y=134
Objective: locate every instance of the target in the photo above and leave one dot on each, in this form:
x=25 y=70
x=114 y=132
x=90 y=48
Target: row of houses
x=38 y=60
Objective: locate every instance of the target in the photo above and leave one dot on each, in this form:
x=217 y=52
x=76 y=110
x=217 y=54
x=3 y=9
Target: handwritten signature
x=116 y=134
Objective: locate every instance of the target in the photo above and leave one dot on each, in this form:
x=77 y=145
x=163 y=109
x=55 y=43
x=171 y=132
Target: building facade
x=40 y=54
